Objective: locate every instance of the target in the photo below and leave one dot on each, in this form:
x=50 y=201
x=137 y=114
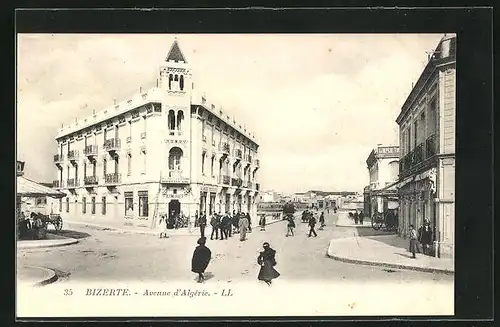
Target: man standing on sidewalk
x=215 y=221
x=413 y=241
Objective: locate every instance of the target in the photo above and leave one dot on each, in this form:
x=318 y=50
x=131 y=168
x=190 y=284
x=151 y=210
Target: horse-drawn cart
x=53 y=219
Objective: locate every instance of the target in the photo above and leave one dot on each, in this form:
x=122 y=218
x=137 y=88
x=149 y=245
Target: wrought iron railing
x=90 y=180
x=430 y=146
x=112 y=144
x=224 y=148
x=113 y=178
x=224 y=179
x=73 y=155
x=91 y=150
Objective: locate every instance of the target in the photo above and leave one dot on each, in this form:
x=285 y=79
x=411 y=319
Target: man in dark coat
x=312 y=223
x=223 y=226
x=201 y=258
x=202 y=221
x=361 y=217
x=267 y=261
x=249 y=223
x=235 y=221
x=229 y=226
x=356 y=217
x=322 y=221
x=425 y=237
x=214 y=222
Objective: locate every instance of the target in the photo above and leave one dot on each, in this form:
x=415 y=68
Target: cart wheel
x=59 y=224
x=376 y=222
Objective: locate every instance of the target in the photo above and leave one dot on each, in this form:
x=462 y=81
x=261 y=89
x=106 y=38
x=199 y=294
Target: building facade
x=165 y=150
x=427 y=140
x=383 y=168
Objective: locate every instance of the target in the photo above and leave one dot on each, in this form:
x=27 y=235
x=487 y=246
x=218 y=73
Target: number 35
x=68 y=291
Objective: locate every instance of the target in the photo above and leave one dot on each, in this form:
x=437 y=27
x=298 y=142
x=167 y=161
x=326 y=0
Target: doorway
x=174 y=209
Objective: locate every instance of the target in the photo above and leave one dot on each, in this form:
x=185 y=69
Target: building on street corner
x=427 y=139
x=165 y=150
x=383 y=167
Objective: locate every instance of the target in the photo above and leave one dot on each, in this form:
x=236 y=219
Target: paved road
x=105 y=255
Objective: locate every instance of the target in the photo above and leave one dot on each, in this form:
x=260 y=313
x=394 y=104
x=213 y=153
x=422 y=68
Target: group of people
x=226 y=225
x=311 y=221
x=423 y=237
x=29 y=225
x=358 y=217
x=266 y=260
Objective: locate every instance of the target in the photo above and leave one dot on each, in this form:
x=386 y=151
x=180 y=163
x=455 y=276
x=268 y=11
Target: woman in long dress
x=201 y=258
x=267 y=261
x=243 y=226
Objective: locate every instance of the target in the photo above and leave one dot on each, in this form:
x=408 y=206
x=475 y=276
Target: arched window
x=394 y=170
x=180 y=118
x=170 y=78
x=181 y=82
x=174 y=159
x=171 y=120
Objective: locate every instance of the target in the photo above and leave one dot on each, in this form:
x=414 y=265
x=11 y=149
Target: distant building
x=269 y=196
x=383 y=168
x=427 y=138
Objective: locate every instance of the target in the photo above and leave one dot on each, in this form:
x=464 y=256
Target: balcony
x=174 y=132
x=72 y=183
x=174 y=176
x=238 y=182
x=112 y=145
x=430 y=146
x=73 y=155
x=213 y=142
x=129 y=139
x=112 y=179
x=90 y=180
x=204 y=138
x=224 y=180
x=56 y=184
x=224 y=148
x=58 y=159
x=256 y=162
x=248 y=158
x=257 y=186
x=418 y=153
x=91 y=151
x=238 y=154
x=143 y=136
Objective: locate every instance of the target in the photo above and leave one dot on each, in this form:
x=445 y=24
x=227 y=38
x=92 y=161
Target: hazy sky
x=317 y=104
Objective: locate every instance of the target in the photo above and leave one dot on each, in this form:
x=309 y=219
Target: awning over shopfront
x=29 y=188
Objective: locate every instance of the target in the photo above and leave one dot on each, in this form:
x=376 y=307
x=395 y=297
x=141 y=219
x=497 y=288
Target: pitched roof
x=29 y=188
x=175 y=53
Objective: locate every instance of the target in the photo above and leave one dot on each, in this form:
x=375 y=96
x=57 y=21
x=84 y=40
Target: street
x=106 y=255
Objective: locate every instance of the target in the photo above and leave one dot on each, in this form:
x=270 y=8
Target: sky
x=317 y=103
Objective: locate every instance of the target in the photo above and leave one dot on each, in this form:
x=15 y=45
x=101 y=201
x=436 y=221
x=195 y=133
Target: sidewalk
x=120 y=228
x=35 y=276
x=388 y=251
x=51 y=241
x=344 y=221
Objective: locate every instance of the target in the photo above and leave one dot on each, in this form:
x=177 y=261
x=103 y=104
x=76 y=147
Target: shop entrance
x=174 y=209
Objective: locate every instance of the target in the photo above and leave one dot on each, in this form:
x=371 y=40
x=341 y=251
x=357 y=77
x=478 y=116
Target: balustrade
x=113 y=178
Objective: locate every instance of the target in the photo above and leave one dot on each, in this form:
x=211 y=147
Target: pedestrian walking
x=202 y=222
x=235 y=220
x=425 y=237
x=201 y=259
x=229 y=226
x=214 y=222
x=413 y=241
x=243 y=226
x=267 y=262
x=361 y=217
x=290 y=226
x=249 y=222
x=356 y=217
x=223 y=226
x=322 y=221
x=262 y=222
x=312 y=224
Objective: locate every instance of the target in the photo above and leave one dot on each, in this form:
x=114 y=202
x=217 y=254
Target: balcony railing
x=204 y=138
x=129 y=139
x=91 y=150
x=257 y=186
x=173 y=132
x=90 y=180
x=430 y=146
x=224 y=148
x=224 y=179
x=174 y=176
x=256 y=162
x=58 y=158
x=238 y=182
x=73 y=155
x=112 y=145
x=56 y=184
x=143 y=136
x=213 y=142
x=248 y=158
x=113 y=179
x=238 y=153
x=418 y=153
x=72 y=183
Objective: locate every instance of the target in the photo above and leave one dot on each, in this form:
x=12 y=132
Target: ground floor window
x=67 y=204
x=104 y=205
x=129 y=203
x=84 y=205
x=93 y=205
x=143 y=203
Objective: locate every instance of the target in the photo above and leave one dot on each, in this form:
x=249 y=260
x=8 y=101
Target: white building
x=164 y=150
x=383 y=168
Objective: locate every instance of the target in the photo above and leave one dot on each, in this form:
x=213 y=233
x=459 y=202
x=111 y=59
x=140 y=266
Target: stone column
x=207 y=204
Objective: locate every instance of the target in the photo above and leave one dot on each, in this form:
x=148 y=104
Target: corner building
x=164 y=150
x=427 y=140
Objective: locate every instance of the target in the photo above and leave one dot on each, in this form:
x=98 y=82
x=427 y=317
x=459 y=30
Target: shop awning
x=29 y=188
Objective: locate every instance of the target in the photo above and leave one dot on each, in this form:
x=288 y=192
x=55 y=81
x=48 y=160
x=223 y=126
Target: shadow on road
x=367 y=232
x=71 y=234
